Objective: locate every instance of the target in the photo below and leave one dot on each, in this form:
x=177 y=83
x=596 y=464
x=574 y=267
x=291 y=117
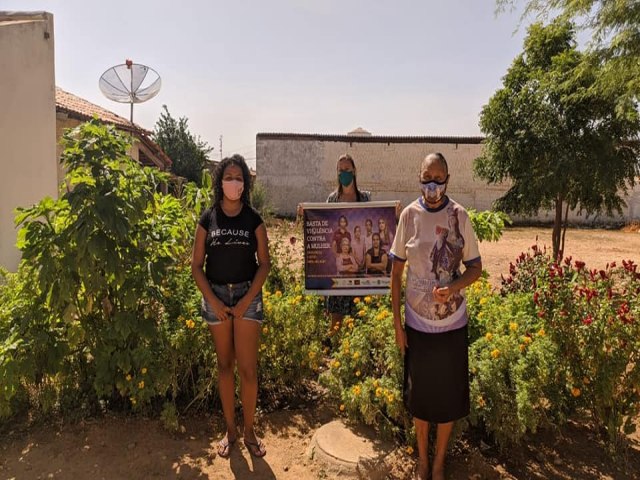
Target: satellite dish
x=130 y=83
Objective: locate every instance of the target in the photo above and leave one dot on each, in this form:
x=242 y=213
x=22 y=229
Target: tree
x=188 y=153
x=561 y=142
x=615 y=29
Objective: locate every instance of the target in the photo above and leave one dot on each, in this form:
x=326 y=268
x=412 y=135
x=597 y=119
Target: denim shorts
x=230 y=294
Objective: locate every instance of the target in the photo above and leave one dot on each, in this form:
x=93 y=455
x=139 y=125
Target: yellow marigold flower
x=481 y=402
x=362 y=313
x=481 y=314
x=144 y=370
x=265 y=330
x=133 y=401
x=495 y=353
x=527 y=340
x=575 y=391
x=190 y=323
x=513 y=326
x=128 y=377
x=356 y=300
x=376 y=383
x=541 y=332
x=356 y=355
x=312 y=354
x=489 y=336
x=278 y=293
x=378 y=391
x=335 y=364
x=522 y=347
x=336 y=327
x=342 y=408
x=367 y=299
x=391 y=397
x=483 y=300
x=410 y=450
x=358 y=373
x=141 y=384
x=265 y=293
x=350 y=324
x=356 y=390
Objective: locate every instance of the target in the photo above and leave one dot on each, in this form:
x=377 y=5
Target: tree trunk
x=564 y=231
x=557 y=228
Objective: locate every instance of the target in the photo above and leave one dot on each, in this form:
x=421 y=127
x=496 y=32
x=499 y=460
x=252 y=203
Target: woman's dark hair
x=345 y=220
x=239 y=161
x=349 y=159
x=379 y=240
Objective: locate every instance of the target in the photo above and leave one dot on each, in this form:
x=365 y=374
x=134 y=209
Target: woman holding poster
x=231 y=240
x=434 y=336
x=347 y=191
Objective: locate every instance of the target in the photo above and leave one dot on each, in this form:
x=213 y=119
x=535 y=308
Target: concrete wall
x=27 y=120
x=302 y=168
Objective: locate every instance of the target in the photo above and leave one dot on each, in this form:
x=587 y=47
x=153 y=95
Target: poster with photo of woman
x=345 y=247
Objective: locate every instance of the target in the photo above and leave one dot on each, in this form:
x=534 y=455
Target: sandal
x=224 y=446
x=257 y=448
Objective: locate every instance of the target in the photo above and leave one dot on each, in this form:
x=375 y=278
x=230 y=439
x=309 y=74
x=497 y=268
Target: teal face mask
x=345 y=178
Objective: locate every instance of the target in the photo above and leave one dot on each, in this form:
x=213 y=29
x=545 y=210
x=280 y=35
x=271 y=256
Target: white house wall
x=27 y=120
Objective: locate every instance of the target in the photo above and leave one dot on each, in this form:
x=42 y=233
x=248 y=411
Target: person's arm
x=367 y=261
x=471 y=273
x=197 y=271
x=264 y=265
x=353 y=268
x=396 y=290
x=380 y=266
x=339 y=267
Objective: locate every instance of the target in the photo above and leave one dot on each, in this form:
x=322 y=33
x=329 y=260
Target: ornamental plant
x=592 y=318
x=365 y=367
x=95 y=259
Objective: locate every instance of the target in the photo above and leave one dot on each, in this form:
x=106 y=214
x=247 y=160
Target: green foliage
x=94 y=260
x=592 y=317
x=188 y=153
x=561 y=142
x=514 y=376
x=365 y=367
x=294 y=324
x=488 y=225
x=615 y=30
x=260 y=200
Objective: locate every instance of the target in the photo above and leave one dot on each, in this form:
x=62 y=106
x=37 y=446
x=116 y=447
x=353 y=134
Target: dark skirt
x=436 y=375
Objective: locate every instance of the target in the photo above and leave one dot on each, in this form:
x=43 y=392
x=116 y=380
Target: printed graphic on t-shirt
x=229 y=237
x=443 y=263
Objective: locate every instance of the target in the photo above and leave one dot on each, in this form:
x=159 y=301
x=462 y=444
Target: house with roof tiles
x=72 y=110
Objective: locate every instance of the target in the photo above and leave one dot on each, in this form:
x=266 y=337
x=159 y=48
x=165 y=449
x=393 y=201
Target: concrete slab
x=354 y=452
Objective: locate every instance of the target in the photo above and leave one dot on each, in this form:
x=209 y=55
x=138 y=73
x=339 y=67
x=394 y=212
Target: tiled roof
x=369 y=139
x=82 y=109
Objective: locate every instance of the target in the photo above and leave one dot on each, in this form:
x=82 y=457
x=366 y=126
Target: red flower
x=579 y=264
x=588 y=320
x=293 y=240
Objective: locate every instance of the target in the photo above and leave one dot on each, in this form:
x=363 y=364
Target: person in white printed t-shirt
x=434 y=238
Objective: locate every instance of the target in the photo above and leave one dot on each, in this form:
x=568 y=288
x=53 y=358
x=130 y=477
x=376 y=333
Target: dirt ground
x=120 y=447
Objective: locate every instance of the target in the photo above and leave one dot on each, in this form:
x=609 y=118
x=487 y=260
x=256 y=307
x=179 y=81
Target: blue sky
x=237 y=68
